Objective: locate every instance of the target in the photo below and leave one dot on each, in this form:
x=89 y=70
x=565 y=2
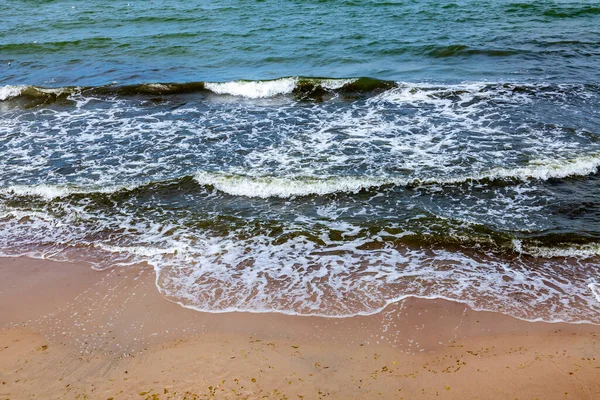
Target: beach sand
x=74 y=333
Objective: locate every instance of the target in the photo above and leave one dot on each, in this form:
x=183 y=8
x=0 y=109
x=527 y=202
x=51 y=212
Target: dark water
x=452 y=151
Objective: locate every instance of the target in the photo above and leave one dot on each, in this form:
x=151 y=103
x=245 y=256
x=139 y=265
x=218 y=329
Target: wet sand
x=67 y=331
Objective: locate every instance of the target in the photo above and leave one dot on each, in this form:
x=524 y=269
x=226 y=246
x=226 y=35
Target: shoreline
x=68 y=330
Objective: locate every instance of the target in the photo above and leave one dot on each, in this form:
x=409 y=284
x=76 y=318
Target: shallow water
x=464 y=167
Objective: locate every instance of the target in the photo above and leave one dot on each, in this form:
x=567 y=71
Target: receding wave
x=302 y=273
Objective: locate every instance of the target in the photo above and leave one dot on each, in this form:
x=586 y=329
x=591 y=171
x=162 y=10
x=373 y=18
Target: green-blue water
x=310 y=157
x=59 y=43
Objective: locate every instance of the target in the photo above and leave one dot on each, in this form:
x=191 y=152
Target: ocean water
x=310 y=157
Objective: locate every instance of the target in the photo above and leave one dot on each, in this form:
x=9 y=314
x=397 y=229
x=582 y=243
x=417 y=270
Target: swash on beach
x=310 y=157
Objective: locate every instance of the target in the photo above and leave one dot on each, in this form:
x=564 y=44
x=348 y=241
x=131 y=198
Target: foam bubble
x=143 y=251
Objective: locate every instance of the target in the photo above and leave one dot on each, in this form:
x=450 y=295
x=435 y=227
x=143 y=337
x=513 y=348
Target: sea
x=310 y=157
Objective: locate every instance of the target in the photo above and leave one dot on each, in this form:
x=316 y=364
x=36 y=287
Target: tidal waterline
x=463 y=164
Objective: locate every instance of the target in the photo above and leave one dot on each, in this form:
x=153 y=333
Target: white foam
x=46 y=191
x=297 y=276
x=254 y=89
x=547 y=169
x=334 y=84
x=10 y=91
x=144 y=251
x=265 y=89
x=50 y=192
x=409 y=92
x=158 y=86
x=543 y=169
x=264 y=187
x=286 y=150
x=581 y=251
x=595 y=288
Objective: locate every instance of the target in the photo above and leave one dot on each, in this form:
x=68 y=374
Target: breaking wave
x=389 y=189
x=298 y=87
x=264 y=187
x=286 y=187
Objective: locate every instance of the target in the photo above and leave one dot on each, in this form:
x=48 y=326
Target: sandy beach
x=74 y=333
x=299 y=200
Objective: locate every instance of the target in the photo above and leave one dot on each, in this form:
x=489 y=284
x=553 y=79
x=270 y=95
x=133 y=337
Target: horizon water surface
x=310 y=157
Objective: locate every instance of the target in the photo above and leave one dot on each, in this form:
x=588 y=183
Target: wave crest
x=264 y=186
x=10 y=91
x=50 y=192
x=285 y=187
x=298 y=86
x=303 y=88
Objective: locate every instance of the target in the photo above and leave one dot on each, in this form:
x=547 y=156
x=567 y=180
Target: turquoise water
x=310 y=157
x=60 y=43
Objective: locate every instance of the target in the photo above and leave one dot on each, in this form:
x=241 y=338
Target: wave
x=572 y=12
x=319 y=286
x=50 y=192
x=11 y=92
x=302 y=87
x=57 y=46
x=542 y=170
x=284 y=187
x=554 y=10
x=460 y=50
x=298 y=86
x=264 y=187
x=293 y=186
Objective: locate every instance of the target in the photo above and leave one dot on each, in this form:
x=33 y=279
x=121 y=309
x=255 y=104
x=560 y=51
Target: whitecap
x=253 y=89
x=10 y=91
